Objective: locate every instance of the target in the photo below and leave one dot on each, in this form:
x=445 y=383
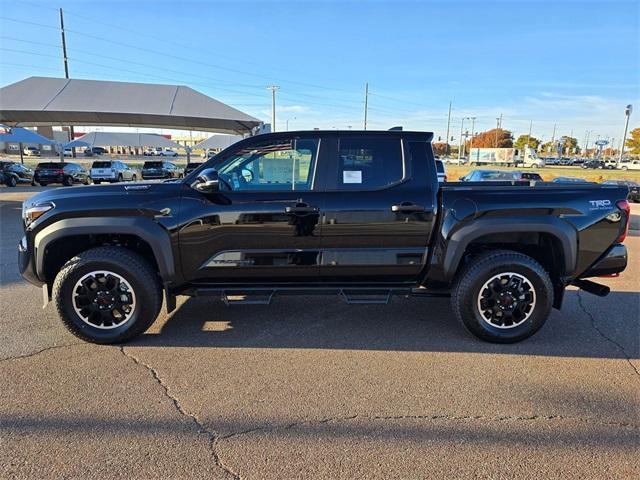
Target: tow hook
x=592 y=287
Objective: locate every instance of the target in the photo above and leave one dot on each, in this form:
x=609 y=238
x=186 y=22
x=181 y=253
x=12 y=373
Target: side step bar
x=351 y=295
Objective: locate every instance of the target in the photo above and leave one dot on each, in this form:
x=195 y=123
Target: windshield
x=51 y=165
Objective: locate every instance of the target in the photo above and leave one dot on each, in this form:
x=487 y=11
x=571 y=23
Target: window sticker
x=352 y=176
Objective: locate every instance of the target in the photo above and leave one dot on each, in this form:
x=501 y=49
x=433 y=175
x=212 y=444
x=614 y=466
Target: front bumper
x=26 y=264
x=612 y=262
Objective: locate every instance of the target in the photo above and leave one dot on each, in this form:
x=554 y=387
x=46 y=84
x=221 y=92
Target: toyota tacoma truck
x=357 y=214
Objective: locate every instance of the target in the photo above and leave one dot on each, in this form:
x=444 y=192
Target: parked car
x=353 y=215
x=112 y=171
x=168 y=152
x=67 y=152
x=14 y=173
x=31 y=151
x=634 y=188
x=91 y=151
x=630 y=165
x=593 y=163
x=191 y=166
x=160 y=169
x=66 y=173
x=441 y=171
x=488 y=176
x=610 y=164
x=569 y=180
x=210 y=152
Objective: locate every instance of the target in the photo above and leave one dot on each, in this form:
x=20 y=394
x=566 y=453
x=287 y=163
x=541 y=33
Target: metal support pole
x=65 y=60
x=366 y=103
x=460 y=140
x=627 y=114
x=473 y=125
x=273 y=89
x=446 y=148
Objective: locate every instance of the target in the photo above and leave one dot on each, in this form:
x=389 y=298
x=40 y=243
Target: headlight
x=31 y=214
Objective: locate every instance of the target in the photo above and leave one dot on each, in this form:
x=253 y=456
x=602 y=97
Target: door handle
x=406 y=207
x=302 y=208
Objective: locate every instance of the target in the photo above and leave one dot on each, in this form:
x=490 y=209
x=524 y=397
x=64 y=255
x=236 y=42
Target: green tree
x=633 y=143
x=571 y=143
x=522 y=141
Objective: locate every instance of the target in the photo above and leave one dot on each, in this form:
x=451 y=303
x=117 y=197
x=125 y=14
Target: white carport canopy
x=122 y=139
x=218 y=141
x=43 y=101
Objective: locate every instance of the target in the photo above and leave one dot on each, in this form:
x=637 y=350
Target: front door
x=379 y=209
x=263 y=223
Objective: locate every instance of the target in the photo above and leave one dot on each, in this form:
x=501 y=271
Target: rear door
x=380 y=208
x=263 y=224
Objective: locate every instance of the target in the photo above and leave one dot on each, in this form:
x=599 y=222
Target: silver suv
x=112 y=171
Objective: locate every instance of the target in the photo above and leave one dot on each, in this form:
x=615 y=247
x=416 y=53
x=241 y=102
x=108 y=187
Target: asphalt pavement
x=314 y=388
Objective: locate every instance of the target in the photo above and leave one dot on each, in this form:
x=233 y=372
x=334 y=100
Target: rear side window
x=367 y=163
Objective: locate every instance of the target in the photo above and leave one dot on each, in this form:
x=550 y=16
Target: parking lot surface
x=314 y=388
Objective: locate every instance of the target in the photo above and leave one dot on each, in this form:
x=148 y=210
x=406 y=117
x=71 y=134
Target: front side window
x=366 y=163
x=275 y=165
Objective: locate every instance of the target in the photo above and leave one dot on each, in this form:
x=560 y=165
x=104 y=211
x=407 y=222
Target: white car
x=629 y=165
x=67 y=152
x=31 y=151
x=167 y=153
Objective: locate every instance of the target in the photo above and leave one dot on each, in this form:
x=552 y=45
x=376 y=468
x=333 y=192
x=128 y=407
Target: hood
x=111 y=192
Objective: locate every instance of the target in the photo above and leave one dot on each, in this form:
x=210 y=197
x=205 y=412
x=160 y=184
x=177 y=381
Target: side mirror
x=207 y=181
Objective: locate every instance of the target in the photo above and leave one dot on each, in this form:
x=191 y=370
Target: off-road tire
x=133 y=268
x=468 y=286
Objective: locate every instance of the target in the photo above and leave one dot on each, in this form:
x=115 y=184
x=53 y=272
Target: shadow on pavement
x=403 y=325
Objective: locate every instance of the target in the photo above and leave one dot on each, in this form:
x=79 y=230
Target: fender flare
x=152 y=233
x=460 y=240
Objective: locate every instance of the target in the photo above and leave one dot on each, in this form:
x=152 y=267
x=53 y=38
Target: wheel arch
x=77 y=234
x=559 y=236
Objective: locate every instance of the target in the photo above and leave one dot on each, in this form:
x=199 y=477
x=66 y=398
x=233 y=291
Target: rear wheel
x=134 y=178
x=107 y=295
x=120 y=179
x=11 y=181
x=67 y=181
x=502 y=296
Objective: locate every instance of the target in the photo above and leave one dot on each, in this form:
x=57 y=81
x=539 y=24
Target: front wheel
x=502 y=296
x=107 y=295
x=134 y=178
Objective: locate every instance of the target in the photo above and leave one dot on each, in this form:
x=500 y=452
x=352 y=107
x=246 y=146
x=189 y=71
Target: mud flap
x=45 y=295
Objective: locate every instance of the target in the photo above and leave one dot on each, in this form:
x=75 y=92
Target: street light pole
x=627 y=114
x=287 y=122
x=366 y=103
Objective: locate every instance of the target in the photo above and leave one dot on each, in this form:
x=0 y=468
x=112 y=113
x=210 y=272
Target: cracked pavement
x=313 y=388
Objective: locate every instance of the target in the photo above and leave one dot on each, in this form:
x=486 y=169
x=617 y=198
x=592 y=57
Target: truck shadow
x=586 y=327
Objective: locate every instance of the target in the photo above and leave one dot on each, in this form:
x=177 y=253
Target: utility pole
x=473 y=124
x=446 y=149
x=460 y=141
x=66 y=75
x=497 y=128
x=569 y=143
x=553 y=137
x=274 y=89
x=627 y=114
x=586 y=144
x=366 y=103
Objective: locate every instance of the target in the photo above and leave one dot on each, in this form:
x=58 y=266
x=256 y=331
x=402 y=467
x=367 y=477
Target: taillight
x=60 y=171
x=626 y=207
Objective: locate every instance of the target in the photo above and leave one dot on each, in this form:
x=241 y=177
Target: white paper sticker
x=352 y=176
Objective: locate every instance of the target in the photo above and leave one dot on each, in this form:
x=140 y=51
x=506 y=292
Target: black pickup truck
x=358 y=214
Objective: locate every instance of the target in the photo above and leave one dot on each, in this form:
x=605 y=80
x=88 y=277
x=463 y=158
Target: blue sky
x=575 y=64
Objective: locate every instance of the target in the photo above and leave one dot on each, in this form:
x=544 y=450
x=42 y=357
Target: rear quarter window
x=368 y=163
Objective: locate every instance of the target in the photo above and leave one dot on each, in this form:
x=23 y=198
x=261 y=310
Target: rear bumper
x=49 y=178
x=612 y=262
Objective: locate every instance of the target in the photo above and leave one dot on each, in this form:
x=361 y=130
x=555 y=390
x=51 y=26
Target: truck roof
x=427 y=136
